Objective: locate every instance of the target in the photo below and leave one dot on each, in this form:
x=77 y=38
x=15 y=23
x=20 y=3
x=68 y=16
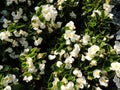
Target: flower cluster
x=59 y=45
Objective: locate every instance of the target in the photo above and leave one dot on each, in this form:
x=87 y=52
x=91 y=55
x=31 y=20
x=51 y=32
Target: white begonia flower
x=51 y=57
x=118 y=73
x=96 y=11
x=60 y=2
x=23 y=42
x=107 y=7
x=75 y=51
x=98 y=88
x=93 y=63
x=42 y=67
x=23 y=33
x=31 y=67
x=85 y=39
x=93 y=49
x=117 y=47
x=5 y=35
x=89 y=56
x=36 y=23
x=37 y=8
x=16 y=33
x=64 y=80
x=56 y=80
x=82 y=58
x=115 y=66
x=10 y=78
x=68 y=33
x=68 y=65
x=59 y=24
x=70 y=25
x=63 y=87
x=103 y=81
x=77 y=72
x=50 y=1
x=7 y=88
x=96 y=73
x=9 y=50
x=70 y=86
x=15 y=43
x=62 y=52
x=70 y=36
x=6 y=23
x=18 y=15
x=27 y=78
x=73 y=15
x=59 y=63
x=81 y=81
x=49 y=12
x=1 y=67
x=116 y=80
x=38 y=41
x=110 y=15
x=69 y=60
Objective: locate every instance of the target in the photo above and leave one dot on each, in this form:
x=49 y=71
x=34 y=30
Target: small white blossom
x=50 y=1
x=38 y=41
x=36 y=23
x=6 y=22
x=118 y=73
x=7 y=88
x=1 y=67
x=81 y=82
x=70 y=86
x=49 y=12
x=5 y=35
x=115 y=66
x=98 y=88
x=59 y=63
x=94 y=12
x=96 y=73
x=104 y=81
x=107 y=7
x=71 y=25
x=77 y=72
x=89 y=56
x=82 y=58
x=93 y=49
x=31 y=67
x=117 y=47
x=75 y=51
x=51 y=57
x=59 y=24
x=16 y=33
x=93 y=63
x=27 y=78
x=116 y=80
x=69 y=60
x=17 y=15
x=10 y=78
x=85 y=39
x=56 y=80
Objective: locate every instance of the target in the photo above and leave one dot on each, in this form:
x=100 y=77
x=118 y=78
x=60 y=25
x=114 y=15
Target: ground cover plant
x=59 y=45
